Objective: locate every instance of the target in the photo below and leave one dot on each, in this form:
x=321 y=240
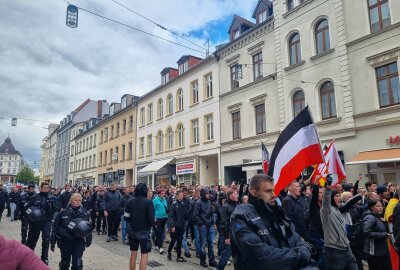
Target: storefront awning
x=376 y=156
x=155 y=166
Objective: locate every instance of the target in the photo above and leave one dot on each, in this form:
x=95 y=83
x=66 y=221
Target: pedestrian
x=384 y=196
x=375 y=243
x=337 y=253
x=23 y=201
x=12 y=200
x=161 y=215
x=42 y=209
x=261 y=236
x=3 y=199
x=64 y=198
x=226 y=211
x=112 y=202
x=125 y=198
x=73 y=233
x=100 y=209
x=177 y=220
x=396 y=225
x=139 y=212
x=203 y=217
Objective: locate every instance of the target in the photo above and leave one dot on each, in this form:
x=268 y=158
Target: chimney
x=99 y=108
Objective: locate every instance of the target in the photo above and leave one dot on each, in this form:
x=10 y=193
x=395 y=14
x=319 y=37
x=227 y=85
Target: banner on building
x=186 y=167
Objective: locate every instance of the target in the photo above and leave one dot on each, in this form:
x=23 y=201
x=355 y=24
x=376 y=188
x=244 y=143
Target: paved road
x=103 y=255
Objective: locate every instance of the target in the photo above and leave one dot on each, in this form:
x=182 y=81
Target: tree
x=26 y=176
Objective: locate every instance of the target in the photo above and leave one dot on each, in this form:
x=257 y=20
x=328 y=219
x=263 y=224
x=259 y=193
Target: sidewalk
x=102 y=255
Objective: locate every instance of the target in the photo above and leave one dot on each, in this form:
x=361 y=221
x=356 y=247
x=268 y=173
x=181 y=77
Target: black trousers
x=379 y=263
x=1 y=212
x=159 y=229
x=93 y=218
x=176 y=237
x=24 y=228
x=33 y=237
x=100 y=218
x=113 y=220
x=71 y=249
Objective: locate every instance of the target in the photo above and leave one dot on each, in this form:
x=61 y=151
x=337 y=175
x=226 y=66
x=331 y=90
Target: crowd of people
x=308 y=226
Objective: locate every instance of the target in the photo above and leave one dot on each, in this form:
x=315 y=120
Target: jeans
x=184 y=242
x=205 y=236
x=123 y=228
x=225 y=254
x=318 y=243
x=336 y=259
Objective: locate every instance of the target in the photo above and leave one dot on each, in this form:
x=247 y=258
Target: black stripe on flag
x=302 y=120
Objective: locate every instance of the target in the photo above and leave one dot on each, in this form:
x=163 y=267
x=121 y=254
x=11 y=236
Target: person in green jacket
x=161 y=217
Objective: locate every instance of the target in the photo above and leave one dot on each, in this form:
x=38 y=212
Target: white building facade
x=10 y=162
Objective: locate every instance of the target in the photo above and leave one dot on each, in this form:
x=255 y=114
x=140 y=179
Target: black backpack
x=357 y=237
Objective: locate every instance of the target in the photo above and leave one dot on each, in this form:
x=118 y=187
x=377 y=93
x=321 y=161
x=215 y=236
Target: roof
x=269 y=3
x=166 y=70
x=241 y=21
x=82 y=105
x=186 y=57
x=8 y=148
x=375 y=156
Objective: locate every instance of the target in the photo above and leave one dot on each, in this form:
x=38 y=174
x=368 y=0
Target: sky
x=48 y=69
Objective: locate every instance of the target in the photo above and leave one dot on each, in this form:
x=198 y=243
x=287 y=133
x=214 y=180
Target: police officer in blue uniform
x=22 y=202
x=73 y=233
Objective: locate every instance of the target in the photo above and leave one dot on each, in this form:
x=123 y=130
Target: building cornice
x=374 y=34
x=386 y=110
x=244 y=87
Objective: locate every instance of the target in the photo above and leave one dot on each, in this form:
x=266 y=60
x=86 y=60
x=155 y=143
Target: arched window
x=328 y=104
x=160 y=141
x=170 y=138
x=160 y=108
x=294 y=49
x=179 y=97
x=322 y=41
x=170 y=104
x=298 y=102
x=179 y=130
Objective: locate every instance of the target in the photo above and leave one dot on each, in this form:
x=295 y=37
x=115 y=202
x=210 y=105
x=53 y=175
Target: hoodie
x=203 y=213
x=139 y=211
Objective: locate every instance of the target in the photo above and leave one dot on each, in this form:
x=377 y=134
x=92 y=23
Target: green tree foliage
x=26 y=176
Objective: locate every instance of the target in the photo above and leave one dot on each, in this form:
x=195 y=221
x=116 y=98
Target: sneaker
x=104 y=232
x=213 y=264
x=169 y=256
x=125 y=242
x=180 y=259
x=229 y=262
x=203 y=264
x=114 y=238
x=108 y=239
x=188 y=255
x=46 y=261
x=161 y=251
x=98 y=233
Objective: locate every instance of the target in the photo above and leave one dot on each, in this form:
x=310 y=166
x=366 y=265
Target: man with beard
x=261 y=235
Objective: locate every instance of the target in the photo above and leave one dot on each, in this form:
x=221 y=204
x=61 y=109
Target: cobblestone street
x=103 y=255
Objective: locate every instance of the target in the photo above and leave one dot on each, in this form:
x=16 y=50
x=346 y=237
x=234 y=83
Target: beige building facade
x=47 y=159
x=116 y=149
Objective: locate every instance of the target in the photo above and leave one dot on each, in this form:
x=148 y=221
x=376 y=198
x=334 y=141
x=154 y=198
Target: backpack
x=357 y=237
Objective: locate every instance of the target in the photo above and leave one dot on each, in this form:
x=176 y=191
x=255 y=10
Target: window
x=101 y=136
x=387 y=78
x=72 y=150
x=294 y=49
x=183 y=67
x=257 y=66
x=260 y=118
x=94 y=160
x=105 y=157
x=298 y=102
x=130 y=154
x=209 y=85
x=235 y=33
x=123 y=151
x=165 y=78
x=94 y=140
x=149 y=144
x=101 y=158
x=150 y=113
x=195 y=131
x=234 y=77
x=117 y=152
x=236 y=125
x=160 y=141
x=106 y=134
x=179 y=96
x=160 y=108
x=170 y=104
x=328 y=105
x=111 y=155
x=123 y=126
x=262 y=16
x=322 y=41
x=141 y=146
x=142 y=117
x=91 y=142
x=195 y=92
x=118 y=127
x=180 y=135
x=170 y=138
x=379 y=14
x=130 y=123
x=112 y=132
x=290 y=4
x=209 y=127
x=71 y=166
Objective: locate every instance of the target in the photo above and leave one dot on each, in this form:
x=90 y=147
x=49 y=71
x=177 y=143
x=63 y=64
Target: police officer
x=41 y=211
x=73 y=232
x=261 y=235
x=3 y=199
x=21 y=214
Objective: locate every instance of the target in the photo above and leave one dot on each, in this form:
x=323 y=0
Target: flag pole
x=319 y=140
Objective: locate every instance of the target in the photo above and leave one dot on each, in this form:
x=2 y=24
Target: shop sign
x=185 y=167
x=394 y=140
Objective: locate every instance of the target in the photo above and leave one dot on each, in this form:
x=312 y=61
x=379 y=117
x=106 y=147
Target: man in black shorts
x=139 y=212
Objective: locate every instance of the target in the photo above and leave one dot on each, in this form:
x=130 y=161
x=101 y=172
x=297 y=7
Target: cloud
x=48 y=69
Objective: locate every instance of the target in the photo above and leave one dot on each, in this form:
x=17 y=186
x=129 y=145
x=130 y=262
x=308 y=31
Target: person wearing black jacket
x=177 y=219
x=64 y=198
x=203 y=217
x=100 y=208
x=93 y=216
x=22 y=202
x=316 y=233
x=225 y=225
x=3 y=199
x=47 y=204
x=112 y=200
x=139 y=212
x=71 y=246
x=12 y=201
x=261 y=236
x=124 y=200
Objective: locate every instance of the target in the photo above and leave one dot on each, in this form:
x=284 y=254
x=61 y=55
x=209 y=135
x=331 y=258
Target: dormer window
x=123 y=102
x=183 y=67
x=112 y=110
x=165 y=78
x=235 y=33
x=262 y=16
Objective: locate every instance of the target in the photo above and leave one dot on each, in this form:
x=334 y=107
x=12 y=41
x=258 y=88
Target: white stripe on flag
x=305 y=137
